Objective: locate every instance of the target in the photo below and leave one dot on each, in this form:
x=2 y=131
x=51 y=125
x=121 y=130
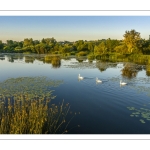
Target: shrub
x=91 y=56
x=82 y=53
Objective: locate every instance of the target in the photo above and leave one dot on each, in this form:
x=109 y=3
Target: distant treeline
x=132 y=43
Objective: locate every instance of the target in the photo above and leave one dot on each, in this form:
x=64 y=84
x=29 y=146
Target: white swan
x=97 y=80
x=122 y=83
x=80 y=77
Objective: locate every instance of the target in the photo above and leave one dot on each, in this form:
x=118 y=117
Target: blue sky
x=71 y=28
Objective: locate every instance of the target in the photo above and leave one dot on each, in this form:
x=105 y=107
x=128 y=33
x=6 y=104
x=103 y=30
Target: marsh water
x=98 y=108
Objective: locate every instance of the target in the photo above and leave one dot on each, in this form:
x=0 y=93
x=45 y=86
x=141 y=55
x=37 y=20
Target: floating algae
x=31 y=85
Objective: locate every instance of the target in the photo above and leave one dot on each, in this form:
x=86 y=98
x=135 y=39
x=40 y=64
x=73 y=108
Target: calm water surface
x=101 y=107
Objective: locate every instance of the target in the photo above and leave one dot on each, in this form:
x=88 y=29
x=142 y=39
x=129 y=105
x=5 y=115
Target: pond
x=97 y=108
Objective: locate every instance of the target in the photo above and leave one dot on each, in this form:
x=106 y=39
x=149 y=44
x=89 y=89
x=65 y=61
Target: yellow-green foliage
x=91 y=56
x=140 y=59
x=148 y=70
x=56 y=62
x=82 y=53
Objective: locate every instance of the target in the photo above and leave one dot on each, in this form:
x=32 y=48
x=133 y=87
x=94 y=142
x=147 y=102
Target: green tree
x=111 y=44
x=36 y=42
x=90 y=46
x=122 y=48
x=20 y=44
x=1 y=45
x=100 y=49
x=9 y=42
x=66 y=49
x=43 y=49
x=28 y=42
x=56 y=47
x=146 y=46
x=79 y=44
x=83 y=47
x=37 y=48
x=132 y=39
x=43 y=41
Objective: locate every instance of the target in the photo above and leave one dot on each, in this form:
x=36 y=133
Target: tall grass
x=22 y=115
x=26 y=107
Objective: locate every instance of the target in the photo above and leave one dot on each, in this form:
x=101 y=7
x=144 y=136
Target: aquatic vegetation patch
x=30 y=85
x=89 y=65
x=142 y=113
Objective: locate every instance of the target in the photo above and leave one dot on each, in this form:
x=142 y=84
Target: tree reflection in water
x=148 y=70
x=131 y=70
x=54 y=60
x=102 y=66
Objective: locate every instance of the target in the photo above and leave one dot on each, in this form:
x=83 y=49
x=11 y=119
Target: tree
x=122 y=48
x=20 y=44
x=52 y=40
x=37 y=48
x=9 y=42
x=56 y=47
x=101 y=48
x=146 y=46
x=83 y=47
x=79 y=45
x=28 y=42
x=65 y=49
x=111 y=44
x=132 y=40
x=36 y=42
x=91 y=46
x=1 y=45
x=43 y=41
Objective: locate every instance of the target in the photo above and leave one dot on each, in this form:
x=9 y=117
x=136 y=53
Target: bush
x=82 y=53
x=121 y=56
x=91 y=57
x=72 y=53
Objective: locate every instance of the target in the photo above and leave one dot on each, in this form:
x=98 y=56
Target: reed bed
x=25 y=112
x=21 y=115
